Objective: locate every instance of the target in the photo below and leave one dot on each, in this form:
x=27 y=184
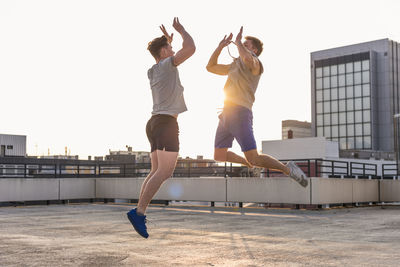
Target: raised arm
x=188 y=46
x=213 y=65
x=247 y=57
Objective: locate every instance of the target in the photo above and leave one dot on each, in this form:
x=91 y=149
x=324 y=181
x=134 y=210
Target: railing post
x=189 y=169
x=24 y=170
x=351 y=169
x=308 y=168
x=78 y=170
x=225 y=170
x=55 y=170
x=363 y=169
x=332 y=168
x=124 y=169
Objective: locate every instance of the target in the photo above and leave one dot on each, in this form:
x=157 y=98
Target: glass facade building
x=355 y=93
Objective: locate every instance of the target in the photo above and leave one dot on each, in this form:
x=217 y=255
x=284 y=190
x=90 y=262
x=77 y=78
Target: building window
x=342 y=68
x=367 y=115
x=342 y=80
x=367 y=128
x=365 y=64
x=366 y=102
x=365 y=76
x=318 y=72
x=319 y=83
x=320 y=131
x=327 y=119
x=366 y=90
x=357 y=66
x=319 y=96
x=335 y=119
x=334 y=70
x=326 y=83
x=349 y=92
x=357 y=91
x=326 y=71
x=357 y=104
x=357 y=78
x=334 y=93
x=349 y=67
x=367 y=142
x=319 y=120
x=327 y=95
x=10 y=147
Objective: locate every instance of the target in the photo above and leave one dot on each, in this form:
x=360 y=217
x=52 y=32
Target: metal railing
x=389 y=171
x=332 y=169
x=185 y=168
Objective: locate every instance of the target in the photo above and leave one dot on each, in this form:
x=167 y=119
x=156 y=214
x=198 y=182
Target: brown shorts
x=163 y=133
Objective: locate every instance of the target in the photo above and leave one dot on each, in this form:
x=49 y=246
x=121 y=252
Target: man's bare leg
x=154 y=166
x=265 y=161
x=166 y=166
x=222 y=154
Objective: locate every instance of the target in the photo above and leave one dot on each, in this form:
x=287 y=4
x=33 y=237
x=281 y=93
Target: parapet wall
x=258 y=190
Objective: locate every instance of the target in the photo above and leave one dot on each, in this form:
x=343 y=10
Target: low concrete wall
x=72 y=188
x=365 y=190
x=122 y=188
x=331 y=191
x=195 y=189
x=267 y=190
x=259 y=190
x=335 y=190
x=19 y=189
x=390 y=190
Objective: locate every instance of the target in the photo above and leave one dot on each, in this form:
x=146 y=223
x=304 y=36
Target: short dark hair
x=256 y=43
x=155 y=46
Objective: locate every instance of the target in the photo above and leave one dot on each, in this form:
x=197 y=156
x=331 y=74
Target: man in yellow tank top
x=236 y=119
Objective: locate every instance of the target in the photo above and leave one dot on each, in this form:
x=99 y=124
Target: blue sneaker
x=138 y=222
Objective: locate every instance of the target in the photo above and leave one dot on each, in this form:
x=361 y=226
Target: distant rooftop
x=295 y=123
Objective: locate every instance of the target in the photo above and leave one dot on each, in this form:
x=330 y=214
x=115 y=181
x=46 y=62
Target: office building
x=355 y=94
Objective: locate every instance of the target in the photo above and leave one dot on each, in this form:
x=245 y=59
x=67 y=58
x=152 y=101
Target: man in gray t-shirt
x=162 y=129
x=236 y=119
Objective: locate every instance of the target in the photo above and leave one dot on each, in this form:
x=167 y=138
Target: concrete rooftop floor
x=101 y=235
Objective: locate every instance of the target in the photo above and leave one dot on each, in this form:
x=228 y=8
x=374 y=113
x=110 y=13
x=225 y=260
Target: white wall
x=301 y=148
x=17 y=141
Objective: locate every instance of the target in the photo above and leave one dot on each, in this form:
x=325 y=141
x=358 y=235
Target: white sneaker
x=297 y=174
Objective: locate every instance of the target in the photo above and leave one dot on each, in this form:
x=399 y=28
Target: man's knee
x=165 y=173
x=220 y=155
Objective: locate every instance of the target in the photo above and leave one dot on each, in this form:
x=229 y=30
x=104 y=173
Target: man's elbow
x=192 y=49
x=209 y=68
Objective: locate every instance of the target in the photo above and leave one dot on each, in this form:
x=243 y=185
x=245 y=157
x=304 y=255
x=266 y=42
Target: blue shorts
x=235 y=122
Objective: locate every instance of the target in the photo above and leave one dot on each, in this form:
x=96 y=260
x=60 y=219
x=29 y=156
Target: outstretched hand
x=239 y=36
x=177 y=25
x=169 y=37
x=226 y=41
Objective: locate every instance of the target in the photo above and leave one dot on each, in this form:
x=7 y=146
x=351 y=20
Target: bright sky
x=74 y=73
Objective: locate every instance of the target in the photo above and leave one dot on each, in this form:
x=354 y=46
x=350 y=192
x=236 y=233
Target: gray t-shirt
x=241 y=84
x=166 y=88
